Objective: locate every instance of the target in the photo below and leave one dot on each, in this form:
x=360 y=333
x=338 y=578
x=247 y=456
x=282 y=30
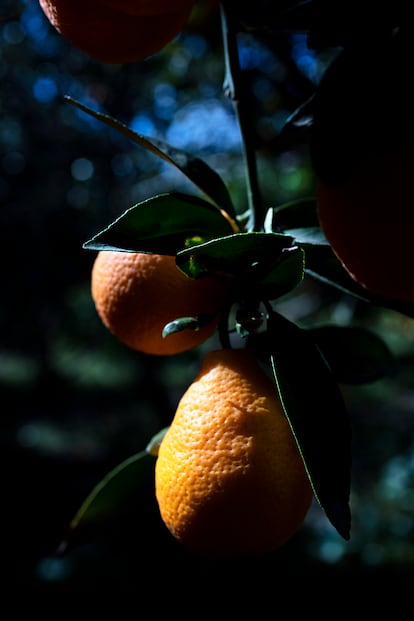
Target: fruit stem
x=223 y=328
x=233 y=90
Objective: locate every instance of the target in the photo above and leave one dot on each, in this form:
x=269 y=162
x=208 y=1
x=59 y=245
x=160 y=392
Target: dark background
x=75 y=402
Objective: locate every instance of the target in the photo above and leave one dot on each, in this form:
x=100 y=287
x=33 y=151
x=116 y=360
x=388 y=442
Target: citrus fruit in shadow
x=362 y=153
x=369 y=220
x=148 y=7
x=111 y=35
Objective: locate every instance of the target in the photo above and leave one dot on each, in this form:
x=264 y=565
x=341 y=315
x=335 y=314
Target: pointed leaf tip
x=155 y=442
x=323 y=435
x=194 y=168
x=111 y=499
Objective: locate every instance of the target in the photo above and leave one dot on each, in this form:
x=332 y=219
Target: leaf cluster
x=209 y=238
x=261 y=264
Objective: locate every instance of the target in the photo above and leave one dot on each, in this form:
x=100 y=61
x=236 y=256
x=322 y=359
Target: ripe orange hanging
x=229 y=476
x=136 y=295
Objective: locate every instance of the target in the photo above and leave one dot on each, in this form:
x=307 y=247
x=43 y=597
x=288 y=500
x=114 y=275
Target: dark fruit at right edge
x=363 y=156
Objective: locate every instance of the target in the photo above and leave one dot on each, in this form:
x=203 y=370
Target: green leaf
x=180 y=324
x=312 y=235
x=316 y=412
x=354 y=354
x=192 y=167
x=162 y=224
x=233 y=254
x=111 y=498
x=154 y=444
x=292 y=215
x=287 y=273
x=299 y=220
x=322 y=264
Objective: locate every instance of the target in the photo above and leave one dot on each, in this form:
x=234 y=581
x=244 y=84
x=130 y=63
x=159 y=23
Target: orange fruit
x=362 y=153
x=229 y=478
x=107 y=33
x=368 y=220
x=136 y=295
x=149 y=7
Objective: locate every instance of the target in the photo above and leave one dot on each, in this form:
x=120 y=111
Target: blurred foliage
x=75 y=402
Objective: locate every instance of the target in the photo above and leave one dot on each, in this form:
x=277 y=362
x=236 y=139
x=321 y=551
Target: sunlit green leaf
x=354 y=354
x=233 y=254
x=192 y=167
x=317 y=415
x=162 y=224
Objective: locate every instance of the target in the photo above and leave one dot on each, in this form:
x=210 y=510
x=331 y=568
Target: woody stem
x=232 y=87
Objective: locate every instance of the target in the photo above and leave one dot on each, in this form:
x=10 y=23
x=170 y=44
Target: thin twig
x=233 y=90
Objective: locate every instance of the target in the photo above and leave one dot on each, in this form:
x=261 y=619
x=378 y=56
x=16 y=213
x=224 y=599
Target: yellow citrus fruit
x=229 y=478
x=136 y=295
x=362 y=152
x=113 y=35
